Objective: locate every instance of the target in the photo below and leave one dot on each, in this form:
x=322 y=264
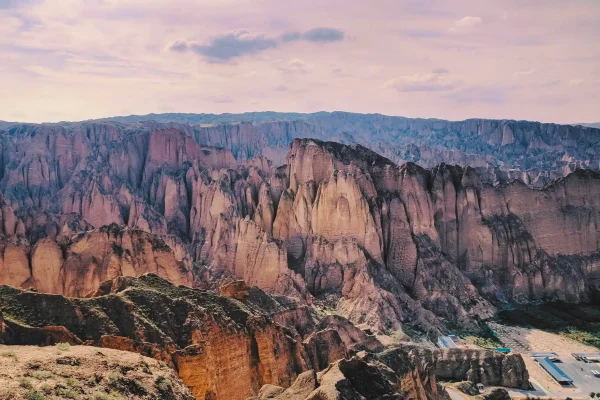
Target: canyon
x=260 y=261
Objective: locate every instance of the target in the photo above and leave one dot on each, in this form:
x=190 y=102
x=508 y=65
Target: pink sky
x=452 y=59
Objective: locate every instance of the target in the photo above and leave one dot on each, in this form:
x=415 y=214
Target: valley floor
x=526 y=340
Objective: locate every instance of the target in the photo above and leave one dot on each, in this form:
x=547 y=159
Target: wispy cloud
x=225 y=47
x=436 y=81
x=466 y=23
x=318 y=35
x=480 y=94
x=530 y=71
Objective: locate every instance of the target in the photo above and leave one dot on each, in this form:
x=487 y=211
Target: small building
x=554 y=371
x=446 y=342
x=504 y=350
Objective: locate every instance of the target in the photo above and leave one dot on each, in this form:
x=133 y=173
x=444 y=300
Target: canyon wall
x=338 y=227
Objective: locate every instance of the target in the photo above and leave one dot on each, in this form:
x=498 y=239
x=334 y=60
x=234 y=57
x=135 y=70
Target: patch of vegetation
x=164 y=386
x=65 y=392
x=106 y=396
x=74 y=382
x=9 y=354
x=25 y=383
x=63 y=346
x=580 y=322
x=589 y=338
x=42 y=375
x=488 y=342
x=47 y=389
x=35 y=395
x=126 y=385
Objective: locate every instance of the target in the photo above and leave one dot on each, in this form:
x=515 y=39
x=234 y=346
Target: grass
x=580 y=322
x=73 y=382
x=25 y=383
x=585 y=337
x=164 y=385
x=485 y=342
x=42 y=375
x=35 y=395
x=65 y=393
x=107 y=396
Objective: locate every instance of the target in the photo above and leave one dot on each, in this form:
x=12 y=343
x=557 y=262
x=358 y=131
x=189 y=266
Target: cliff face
x=500 y=150
x=337 y=226
x=221 y=348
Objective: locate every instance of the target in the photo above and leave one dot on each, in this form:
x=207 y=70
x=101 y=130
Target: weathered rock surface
x=340 y=227
x=501 y=150
x=407 y=372
x=221 y=348
x=85 y=372
x=483 y=366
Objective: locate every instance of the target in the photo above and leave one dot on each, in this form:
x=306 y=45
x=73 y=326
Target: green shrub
x=74 y=383
x=42 y=375
x=35 y=395
x=164 y=385
x=64 y=392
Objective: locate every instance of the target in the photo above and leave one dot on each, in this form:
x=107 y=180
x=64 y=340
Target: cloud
x=575 y=82
x=421 y=34
x=524 y=73
x=488 y=95
x=440 y=71
x=235 y=44
x=225 y=47
x=466 y=23
x=317 y=35
x=295 y=65
x=433 y=82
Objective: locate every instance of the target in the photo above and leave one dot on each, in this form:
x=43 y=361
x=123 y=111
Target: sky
x=452 y=59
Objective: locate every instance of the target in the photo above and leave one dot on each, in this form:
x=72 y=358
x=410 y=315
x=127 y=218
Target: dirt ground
x=84 y=372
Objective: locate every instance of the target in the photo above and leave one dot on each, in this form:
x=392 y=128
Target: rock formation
x=500 y=150
x=220 y=346
x=338 y=227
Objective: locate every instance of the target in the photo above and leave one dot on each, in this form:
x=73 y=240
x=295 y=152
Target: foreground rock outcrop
x=220 y=346
x=73 y=372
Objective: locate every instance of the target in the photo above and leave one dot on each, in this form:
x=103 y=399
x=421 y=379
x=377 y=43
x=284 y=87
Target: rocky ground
x=84 y=372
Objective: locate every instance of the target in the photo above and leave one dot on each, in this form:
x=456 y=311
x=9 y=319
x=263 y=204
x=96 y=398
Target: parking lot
x=524 y=341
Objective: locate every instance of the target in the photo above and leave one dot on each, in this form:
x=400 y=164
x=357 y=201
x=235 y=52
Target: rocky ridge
x=232 y=348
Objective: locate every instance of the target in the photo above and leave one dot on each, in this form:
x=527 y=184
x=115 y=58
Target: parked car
x=480 y=387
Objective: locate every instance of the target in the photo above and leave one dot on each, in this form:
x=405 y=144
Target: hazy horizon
x=73 y=60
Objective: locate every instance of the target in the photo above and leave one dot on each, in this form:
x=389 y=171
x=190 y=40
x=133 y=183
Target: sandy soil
x=84 y=372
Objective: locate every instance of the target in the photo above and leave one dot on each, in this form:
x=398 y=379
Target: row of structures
x=554 y=371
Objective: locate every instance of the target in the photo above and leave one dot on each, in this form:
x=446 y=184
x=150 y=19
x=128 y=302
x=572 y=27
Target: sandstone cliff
x=340 y=227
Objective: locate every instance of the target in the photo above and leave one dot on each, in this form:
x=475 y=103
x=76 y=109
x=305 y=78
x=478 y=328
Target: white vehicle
x=480 y=387
x=595 y=373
